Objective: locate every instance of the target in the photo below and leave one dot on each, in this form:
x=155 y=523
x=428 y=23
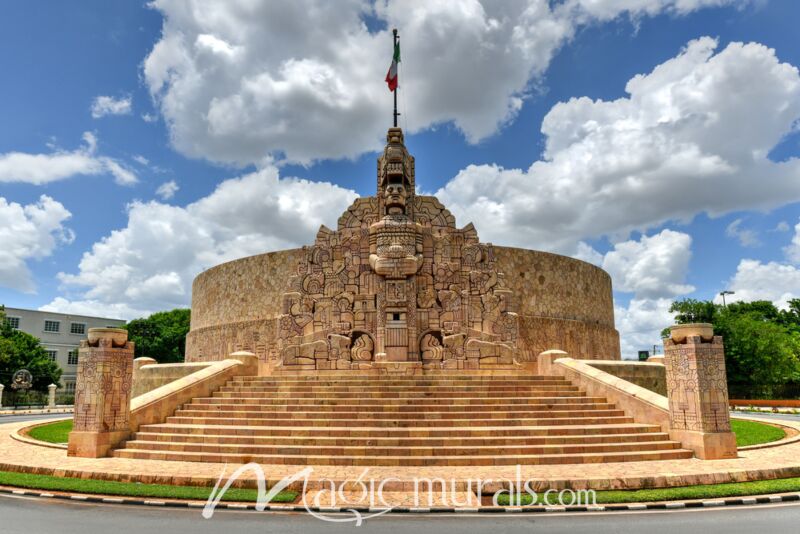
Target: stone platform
x=779 y=461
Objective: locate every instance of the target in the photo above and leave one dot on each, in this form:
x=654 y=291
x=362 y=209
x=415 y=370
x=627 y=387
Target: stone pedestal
x=102 y=393
x=698 y=392
x=51 y=395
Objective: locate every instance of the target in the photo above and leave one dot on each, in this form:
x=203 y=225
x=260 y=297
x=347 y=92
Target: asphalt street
x=20 y=515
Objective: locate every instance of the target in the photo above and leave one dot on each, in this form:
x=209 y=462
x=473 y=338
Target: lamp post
x=726 y=292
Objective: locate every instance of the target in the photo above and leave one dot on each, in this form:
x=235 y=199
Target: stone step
x=252 y=382
x=445 y=450
x=410 y=389
x=437 y=460
x=393 y=408
x=275 y=421
x=422 y=394
x=419 y=415
x=457 y=440
x=388 y=401
x=356 y=431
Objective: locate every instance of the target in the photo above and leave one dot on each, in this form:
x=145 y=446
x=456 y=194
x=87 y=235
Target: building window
x=53 y=354
x=52 y=326
x=69 y=388
x=72 y=358
x=77 y=328
x=13 y=322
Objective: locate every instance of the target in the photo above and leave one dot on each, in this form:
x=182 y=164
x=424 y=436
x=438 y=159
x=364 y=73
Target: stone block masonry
x=698 y=392
x=102 y=392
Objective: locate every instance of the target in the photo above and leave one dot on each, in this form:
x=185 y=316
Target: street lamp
x=726 y=292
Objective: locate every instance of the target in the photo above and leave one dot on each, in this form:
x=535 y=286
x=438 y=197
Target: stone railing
x=650 y=375
x=149 y=375
x=640 y=403
x=105 y=415
x=695 y=410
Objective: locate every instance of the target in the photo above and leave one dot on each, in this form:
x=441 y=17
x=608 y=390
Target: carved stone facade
x=397 y=282
x=102 y=392
x=273 y=304
x=698 y=395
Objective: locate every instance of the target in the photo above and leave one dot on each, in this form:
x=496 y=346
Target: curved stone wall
x=563 y=304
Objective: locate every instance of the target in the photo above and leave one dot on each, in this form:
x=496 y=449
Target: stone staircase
x=440 y=419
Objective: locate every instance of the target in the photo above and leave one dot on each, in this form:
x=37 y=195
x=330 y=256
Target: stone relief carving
x=397 y=267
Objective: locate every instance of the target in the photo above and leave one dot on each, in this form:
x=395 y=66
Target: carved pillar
x=698 y=391
x=102 y=393
x=51 y=395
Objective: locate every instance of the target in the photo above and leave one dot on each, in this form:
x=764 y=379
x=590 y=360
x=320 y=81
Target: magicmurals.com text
x=371 y=493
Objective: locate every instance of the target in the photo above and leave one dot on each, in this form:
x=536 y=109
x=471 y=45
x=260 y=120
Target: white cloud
x=640 y=324
x=141 y=160
x=149 y=265
x=38 y=169
x=108 y=105
x=754 y=280
x=149 y=117
x=167 y=190
x=654 y=270
x=746 y=237
x=653 y=267
x=238 y=80
x=29 y=232
x=782 y=226
x=673 y=148
x=775 y=281
x=94 y=308
x=792 y=251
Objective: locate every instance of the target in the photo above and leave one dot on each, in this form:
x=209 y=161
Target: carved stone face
x=395 y=198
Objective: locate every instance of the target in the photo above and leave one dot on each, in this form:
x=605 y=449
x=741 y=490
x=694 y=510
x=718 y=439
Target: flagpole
x=394 y=32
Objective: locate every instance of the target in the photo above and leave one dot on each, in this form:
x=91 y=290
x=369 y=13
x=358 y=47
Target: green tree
x=762 y=343
x=19 y=350
x=161 y=336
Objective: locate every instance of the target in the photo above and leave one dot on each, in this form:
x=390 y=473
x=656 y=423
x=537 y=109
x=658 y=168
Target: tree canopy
x=19 y=350
x=161 y=336
x=762 y=342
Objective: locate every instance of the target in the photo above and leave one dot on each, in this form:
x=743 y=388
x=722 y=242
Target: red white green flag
x=391 y=76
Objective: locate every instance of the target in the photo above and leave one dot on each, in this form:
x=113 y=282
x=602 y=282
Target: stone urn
x=680 y=332
x=117 y=336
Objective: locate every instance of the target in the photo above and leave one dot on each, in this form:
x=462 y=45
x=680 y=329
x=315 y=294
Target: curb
x=663 y=506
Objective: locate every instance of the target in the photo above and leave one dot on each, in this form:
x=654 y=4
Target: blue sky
x=283 y=113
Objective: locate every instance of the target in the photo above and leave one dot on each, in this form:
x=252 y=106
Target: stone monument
x=102 y=392
x=397 y=285
x=698 y=391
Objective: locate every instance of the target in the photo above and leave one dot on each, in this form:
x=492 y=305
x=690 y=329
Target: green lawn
x=715 y=491
x=57 y=432
x=753 y=433
x=104 y=487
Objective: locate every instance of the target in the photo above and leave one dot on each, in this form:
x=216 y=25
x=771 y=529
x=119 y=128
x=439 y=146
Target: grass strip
x=57 y=432
x=708 y=491
x=754 y=433
x=127 y=489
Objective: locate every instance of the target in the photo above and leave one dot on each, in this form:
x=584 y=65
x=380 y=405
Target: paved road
x=20 y=515
x=28 y=417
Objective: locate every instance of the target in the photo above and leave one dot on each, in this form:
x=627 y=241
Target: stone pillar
x=102 y=393
x=2 y=387
x=698 y=391
x=51 y=395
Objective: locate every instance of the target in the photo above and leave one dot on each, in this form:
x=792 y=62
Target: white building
x=60 y=335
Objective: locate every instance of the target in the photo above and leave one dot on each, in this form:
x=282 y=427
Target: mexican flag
x=391 y=76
